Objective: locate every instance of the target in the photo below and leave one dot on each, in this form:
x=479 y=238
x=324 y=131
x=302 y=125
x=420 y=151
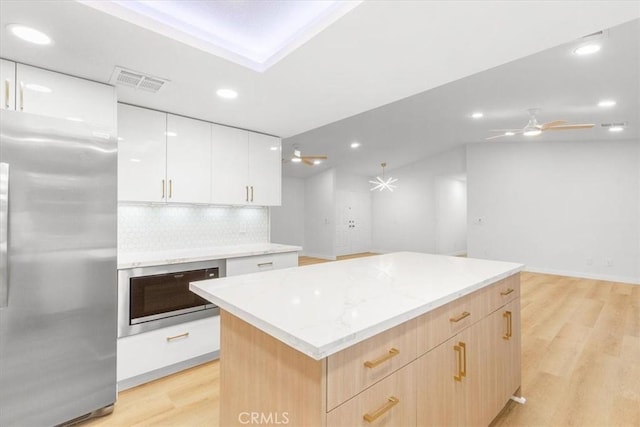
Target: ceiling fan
x=307 y=160
x=534 y=128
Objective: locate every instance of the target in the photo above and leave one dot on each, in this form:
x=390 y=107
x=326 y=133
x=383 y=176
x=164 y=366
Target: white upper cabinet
x=188 y=160
x=230 y=168
x=8 y=80
x=265 y=170
x=142 y=155
x=52 y=94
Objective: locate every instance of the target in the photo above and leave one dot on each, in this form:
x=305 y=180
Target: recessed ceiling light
x=606 y=103
x=274 y=148
x=509 y=133
x=29 y=34
x=477 y=115
x=227 y=93
x=532 y=132
x=355 y=144
x=171 y=133
x=587 y=49
x=296 y=159
x=37 y=88
x=616 y=129
x=317 y=162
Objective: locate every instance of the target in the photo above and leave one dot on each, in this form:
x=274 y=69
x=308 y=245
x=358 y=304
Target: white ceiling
x=378 y=53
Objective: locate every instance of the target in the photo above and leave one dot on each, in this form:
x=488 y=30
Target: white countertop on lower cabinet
x=151 y=258
x=323 y=308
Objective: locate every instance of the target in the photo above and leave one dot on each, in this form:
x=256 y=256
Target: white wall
x=451 y=214
x=406 y=218
x=287 y=220
x=319 y=211
x=568 y=208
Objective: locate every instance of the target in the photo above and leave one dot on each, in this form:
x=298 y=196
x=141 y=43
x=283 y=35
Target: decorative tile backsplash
x=166 y=227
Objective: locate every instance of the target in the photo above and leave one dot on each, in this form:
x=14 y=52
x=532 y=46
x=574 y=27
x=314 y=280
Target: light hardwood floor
x=580 y=364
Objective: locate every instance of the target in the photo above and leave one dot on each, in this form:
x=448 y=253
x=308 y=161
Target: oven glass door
x=163 y=295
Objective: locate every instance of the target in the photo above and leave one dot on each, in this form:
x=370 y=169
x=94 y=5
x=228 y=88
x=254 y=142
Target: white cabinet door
x=188 y=160
x=229 y=163
x=142 y=156
x=265 y=170
x=8 y=79
x=57 y=95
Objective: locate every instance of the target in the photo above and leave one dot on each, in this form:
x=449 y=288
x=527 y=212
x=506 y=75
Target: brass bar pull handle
x=175 y=337
x=163 y=189
x=170 y=188
x=460 y=316
x=246 y=187
x=371 y=417
x=252 y=193
x=507 y=315
x=461 y=349
x=507 y=292
x=390 y=354
x=6 y=93
x=21 y=96
x=266 y=264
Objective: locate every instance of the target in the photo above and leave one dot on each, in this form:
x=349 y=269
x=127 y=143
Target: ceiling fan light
x=532 y=132
x=606 y=103
x=296 y=159
x=509 y=133
x=317 y=162
x=616 y=129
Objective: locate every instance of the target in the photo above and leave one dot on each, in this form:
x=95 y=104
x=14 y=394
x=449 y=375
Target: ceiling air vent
x=135 y=79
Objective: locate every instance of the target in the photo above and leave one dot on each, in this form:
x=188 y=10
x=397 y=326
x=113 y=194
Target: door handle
x=507 y=315
x=163 y=189
x=170 y=188
x=252 y=193
x=246 y=187
x=21 y=96
x=6 y=94
x=461 y=349
x=4 y=234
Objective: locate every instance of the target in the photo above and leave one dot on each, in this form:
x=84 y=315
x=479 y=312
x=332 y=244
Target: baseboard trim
x=321 y=256
x=167 y=370
x=606 y=277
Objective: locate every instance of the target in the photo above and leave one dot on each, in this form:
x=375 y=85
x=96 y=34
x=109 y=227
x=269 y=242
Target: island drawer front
x=437 y=326
x=385 y=353
x=390 y=402
x=503 y=292
x=145 y=352
x=259 y=263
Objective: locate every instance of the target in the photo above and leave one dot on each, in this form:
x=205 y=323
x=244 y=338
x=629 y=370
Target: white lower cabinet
x=143 y=353
x=258 y=263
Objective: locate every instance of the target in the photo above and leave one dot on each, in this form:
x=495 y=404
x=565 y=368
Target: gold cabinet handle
x=461 y=349
x=507 y=315
x=170 y=188
x=265 y=264
x=460 y=316
x=175 y=337
x=507 y=292
x=6 y=93
x=391 y=402
x=163 y=189
x=373 y=363
x=252 y=193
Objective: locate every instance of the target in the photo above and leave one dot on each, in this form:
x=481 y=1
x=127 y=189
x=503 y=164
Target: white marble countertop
x=323 y=308
x=147 y=259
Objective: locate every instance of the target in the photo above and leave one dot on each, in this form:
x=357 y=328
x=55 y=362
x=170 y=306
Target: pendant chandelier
x=382 y=183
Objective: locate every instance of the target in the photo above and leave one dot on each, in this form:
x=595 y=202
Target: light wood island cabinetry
x=457 y=363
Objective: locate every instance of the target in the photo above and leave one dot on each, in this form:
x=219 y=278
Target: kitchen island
x=396 y=339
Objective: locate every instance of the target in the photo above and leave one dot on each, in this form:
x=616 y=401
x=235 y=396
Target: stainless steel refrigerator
x=58 y=281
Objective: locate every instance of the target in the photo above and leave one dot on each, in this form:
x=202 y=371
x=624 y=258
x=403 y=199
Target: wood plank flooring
x=580 y=364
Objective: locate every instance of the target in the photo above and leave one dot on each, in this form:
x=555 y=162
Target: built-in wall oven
x=159 y=296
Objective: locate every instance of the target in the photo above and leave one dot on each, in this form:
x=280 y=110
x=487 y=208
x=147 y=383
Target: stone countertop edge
x=320 y=352
x=156 y=258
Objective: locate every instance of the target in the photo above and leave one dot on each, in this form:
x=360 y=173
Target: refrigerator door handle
x=4 y=234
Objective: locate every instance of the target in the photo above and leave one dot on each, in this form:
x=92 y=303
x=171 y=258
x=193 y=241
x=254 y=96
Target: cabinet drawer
x=258 y=263
x=391 y=402
x=444 y=322
x=503 y=292
x=356 y=368
x=141 y=353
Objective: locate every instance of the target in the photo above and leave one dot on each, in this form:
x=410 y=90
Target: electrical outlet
x=609 y=262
